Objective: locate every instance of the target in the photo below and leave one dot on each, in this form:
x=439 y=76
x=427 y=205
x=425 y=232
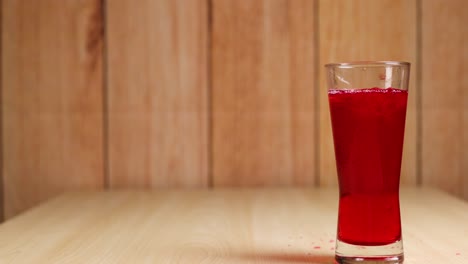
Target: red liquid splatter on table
x=368 y=128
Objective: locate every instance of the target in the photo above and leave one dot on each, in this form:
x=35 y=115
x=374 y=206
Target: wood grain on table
x=219 y=226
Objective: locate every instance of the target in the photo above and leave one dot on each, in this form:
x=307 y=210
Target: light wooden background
x=209 y=93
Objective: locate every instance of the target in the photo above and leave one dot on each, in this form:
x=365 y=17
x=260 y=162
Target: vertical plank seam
x=419 y=95
x=209 y=102
x=105 y=101
x=316 y=33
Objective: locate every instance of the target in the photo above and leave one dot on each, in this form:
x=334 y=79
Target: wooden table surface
x=221 y=226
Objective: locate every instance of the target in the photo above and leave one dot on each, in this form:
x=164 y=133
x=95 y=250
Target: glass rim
x=352 y=64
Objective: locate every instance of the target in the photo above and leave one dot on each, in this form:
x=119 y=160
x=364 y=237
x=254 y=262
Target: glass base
x=353 y=254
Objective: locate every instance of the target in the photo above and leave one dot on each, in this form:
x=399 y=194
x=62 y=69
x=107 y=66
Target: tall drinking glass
x=368 y=110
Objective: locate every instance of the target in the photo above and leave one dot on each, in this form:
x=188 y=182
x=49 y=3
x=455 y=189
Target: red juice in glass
x=368 y=127
x=368 y=109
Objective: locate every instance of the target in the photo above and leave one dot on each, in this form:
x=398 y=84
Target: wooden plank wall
x=212 y=93
x=444 y=92
x=263 y=92
x=52 y=99
x=157 y=93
